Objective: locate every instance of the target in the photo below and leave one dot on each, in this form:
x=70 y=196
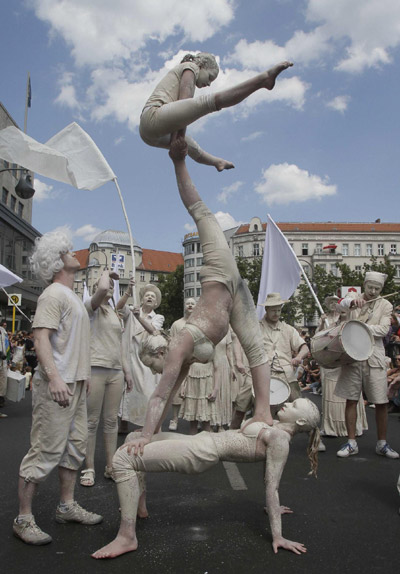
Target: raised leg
x=237 y=94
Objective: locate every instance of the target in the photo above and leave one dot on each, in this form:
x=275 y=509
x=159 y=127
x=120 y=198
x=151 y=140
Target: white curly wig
x=46 y=259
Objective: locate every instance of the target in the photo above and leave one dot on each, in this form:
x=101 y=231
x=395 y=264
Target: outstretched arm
x=277 y=452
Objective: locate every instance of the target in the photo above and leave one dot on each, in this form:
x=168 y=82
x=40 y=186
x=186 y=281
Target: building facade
x=325 y=244
x=112 y=249
x=17 y=237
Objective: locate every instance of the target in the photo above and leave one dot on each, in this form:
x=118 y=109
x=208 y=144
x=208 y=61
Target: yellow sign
x=16 y=298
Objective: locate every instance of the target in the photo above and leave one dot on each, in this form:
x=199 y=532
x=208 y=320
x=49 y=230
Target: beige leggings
x=158 y=123
x=106 y=388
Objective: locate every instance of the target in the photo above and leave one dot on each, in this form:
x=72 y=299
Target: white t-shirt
x=61 y=310
x=106 y=336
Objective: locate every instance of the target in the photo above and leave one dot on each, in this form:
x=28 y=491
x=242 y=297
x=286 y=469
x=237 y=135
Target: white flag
x=280 y=267
x=7 y=277
x=71 y=156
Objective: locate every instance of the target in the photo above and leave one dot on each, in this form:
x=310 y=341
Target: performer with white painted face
x=171 y=452
x=281 y=342
x=142 y=322
x=333 y=407
x=369 y=375
x=225 y=300
x=59 y=421
x=172 y=107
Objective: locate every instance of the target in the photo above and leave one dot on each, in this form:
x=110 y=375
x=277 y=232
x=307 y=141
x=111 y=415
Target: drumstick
x=383 y=297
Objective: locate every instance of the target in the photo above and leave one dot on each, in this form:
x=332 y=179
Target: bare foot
x=223 y=164
x=116 y=548
x=274 y=72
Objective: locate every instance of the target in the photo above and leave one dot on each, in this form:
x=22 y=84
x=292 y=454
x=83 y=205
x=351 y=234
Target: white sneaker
x=387 y=451
x=347 y=450
x=321 y=447
x=173 y=425
x=30 y=532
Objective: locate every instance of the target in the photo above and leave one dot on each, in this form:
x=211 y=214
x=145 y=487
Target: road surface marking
x=234 y=476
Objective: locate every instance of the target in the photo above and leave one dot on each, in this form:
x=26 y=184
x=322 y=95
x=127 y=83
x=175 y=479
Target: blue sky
x=323 y=145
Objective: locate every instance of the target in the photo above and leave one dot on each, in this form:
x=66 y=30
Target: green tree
x=250 y=270
x=171 y=287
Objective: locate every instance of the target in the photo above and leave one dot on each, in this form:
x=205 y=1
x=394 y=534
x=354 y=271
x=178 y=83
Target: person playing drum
x=369 y=375
x=283 y=344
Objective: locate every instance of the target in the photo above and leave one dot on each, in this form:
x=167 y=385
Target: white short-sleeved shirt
x=61 y=310
x=105 y=336
x=280 y=342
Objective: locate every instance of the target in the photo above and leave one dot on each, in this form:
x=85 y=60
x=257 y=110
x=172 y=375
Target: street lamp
x=24 y=188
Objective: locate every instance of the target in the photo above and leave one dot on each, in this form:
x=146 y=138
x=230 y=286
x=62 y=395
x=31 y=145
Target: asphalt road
x=347 y=518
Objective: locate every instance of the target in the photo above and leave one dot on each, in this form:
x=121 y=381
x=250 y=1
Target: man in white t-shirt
x=59 y=421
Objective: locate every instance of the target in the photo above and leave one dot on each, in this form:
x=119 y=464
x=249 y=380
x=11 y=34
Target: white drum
x=342 y=344
x=279 y=391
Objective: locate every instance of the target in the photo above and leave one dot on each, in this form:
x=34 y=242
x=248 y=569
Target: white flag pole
x=312 y=292
x=130 y=237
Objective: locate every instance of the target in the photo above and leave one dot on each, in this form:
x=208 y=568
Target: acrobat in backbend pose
x=225 y=300
x=171 y=452
x=171 y=107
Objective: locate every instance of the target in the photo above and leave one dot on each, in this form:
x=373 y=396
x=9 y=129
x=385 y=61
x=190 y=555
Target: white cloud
x=226 y=220
x=371 y=30
x=104 y=31
x=228 y=191
x=189 y=227
x=87 y=232
x=67 y=96
x=43 y=191
x=251 y=137
x=339 y=103
x=359 y=34
x=285 y=183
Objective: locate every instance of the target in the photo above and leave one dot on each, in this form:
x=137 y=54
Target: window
x=189 y=248
x=255 y=228
x=20 y=209
x=357 y=249
x=304 y=248
x=142 y=276
x=240 y=251
x=4 y=196
x=381 y=249
x=334 y=269
x=199 y=261
x=318 y=248
x=393 y=249
x=153 y=276
x=121 y=273
x=197 y=276
x=398 y=271
x=198 y=247
x=13 y=202
x=189 y=277
x=189 y=293
x=357 y=268
x=368 y=250
x=256 y=249
x=189 y=263
x=345 y=249
x=198 y=291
